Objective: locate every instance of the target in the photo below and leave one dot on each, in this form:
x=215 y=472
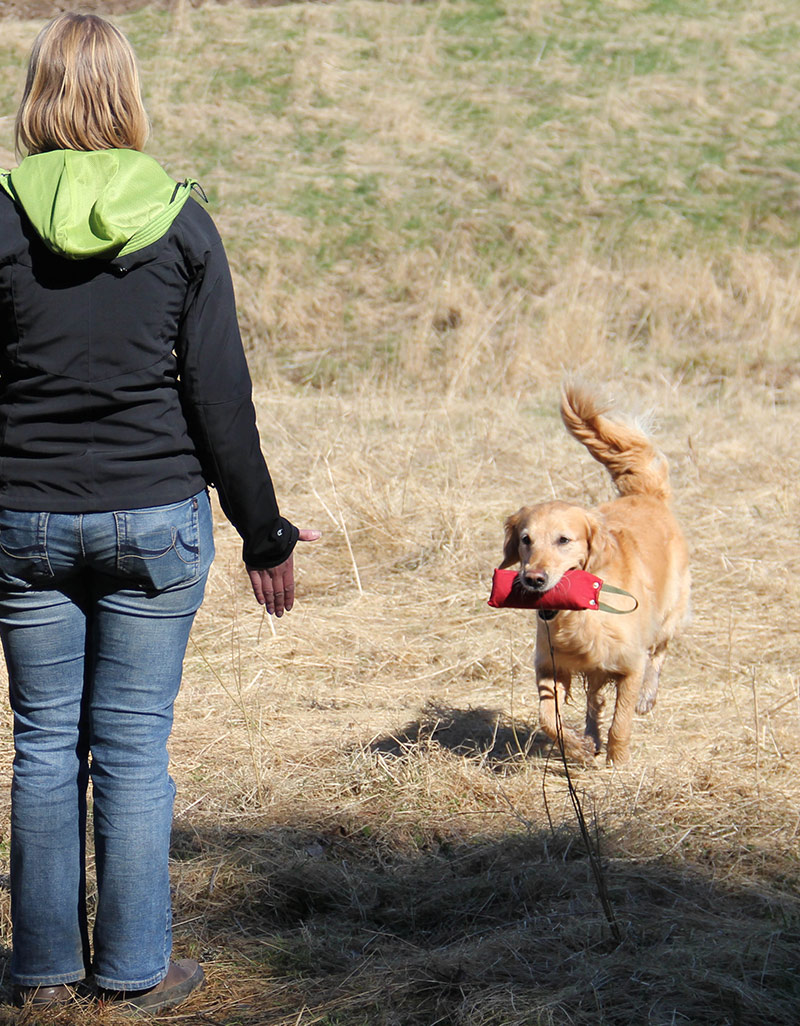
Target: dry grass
x=362 y=833
x=369 y=828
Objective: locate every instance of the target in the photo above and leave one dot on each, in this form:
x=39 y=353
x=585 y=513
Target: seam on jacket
x=61 y=376
x=222 y=402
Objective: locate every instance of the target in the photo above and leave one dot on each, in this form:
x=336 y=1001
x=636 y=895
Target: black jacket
x=123 y=382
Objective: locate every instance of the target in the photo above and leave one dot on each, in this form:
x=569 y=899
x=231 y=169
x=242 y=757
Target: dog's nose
x=535 y=579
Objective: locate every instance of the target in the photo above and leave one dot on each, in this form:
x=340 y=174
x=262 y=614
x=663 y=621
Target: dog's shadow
x=489 y=735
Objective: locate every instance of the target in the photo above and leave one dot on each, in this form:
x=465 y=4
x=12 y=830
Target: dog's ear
x=511 y=543
x=597 y=542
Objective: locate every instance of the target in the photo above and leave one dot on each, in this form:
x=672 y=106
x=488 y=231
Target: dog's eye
x=525 y=539
x=563 y=540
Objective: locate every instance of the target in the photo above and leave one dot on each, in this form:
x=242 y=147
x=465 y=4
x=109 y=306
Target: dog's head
x=549 y=539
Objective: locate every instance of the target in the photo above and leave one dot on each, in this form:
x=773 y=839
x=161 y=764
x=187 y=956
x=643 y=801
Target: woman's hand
x=274 y=588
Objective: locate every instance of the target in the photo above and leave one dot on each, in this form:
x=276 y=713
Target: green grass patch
x=494 y=139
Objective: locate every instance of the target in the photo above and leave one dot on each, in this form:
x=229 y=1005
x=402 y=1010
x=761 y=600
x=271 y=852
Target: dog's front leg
x=595 y=703
x=552 y=700
x=619 y=734
x=650 y=679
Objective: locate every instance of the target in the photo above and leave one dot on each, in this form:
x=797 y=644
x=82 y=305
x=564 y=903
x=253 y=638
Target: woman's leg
x=139 y=647
x=43 y=635
x=138 y=641
x=94 y=658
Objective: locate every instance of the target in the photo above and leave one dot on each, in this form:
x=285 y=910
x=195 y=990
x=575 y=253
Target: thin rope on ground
x=592 y=850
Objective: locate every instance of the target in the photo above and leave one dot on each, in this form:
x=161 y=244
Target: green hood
x=100 y=203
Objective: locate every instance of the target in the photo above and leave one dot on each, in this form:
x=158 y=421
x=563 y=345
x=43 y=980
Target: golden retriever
x=632 y=542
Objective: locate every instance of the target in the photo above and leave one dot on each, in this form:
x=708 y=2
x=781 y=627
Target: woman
x=124 y=392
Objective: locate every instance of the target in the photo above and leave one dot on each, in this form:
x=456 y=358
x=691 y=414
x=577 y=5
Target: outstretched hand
x=274 y=588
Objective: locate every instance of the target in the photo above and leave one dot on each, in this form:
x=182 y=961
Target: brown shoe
x=40 y=996
x=183 y=976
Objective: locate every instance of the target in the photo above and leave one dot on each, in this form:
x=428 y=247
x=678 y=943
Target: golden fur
x=632 y=542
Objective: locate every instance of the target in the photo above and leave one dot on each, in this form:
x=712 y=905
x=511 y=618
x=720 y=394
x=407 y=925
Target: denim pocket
x=23 y=547
x=165 y=546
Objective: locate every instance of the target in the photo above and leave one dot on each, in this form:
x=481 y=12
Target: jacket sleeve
x=216 y=392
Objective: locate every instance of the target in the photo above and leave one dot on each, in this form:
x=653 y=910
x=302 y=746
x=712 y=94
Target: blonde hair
x=82 y=91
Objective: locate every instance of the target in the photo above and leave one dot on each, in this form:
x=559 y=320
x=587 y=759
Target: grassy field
x=434 y=211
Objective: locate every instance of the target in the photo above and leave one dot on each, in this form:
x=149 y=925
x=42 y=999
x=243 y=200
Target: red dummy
x=577 y=589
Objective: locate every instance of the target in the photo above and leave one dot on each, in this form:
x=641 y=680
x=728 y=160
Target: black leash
x=592 y=850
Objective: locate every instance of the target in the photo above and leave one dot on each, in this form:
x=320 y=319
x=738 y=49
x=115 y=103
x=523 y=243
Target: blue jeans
x=95 y=613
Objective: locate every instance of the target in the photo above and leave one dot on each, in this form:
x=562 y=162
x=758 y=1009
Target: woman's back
x=90 y=412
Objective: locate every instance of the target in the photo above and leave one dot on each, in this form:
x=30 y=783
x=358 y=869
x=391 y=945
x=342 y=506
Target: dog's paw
x=618 y=755
x=577 y=747
x=645 y=704
x=648 y=692
x=586 y=750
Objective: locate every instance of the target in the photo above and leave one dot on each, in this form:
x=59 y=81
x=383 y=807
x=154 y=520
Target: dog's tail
x=635 y=465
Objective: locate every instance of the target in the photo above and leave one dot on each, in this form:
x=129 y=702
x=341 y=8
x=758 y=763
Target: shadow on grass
x=323 y=928
x=500 y=742
x=312 y=925
x=315 y=920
